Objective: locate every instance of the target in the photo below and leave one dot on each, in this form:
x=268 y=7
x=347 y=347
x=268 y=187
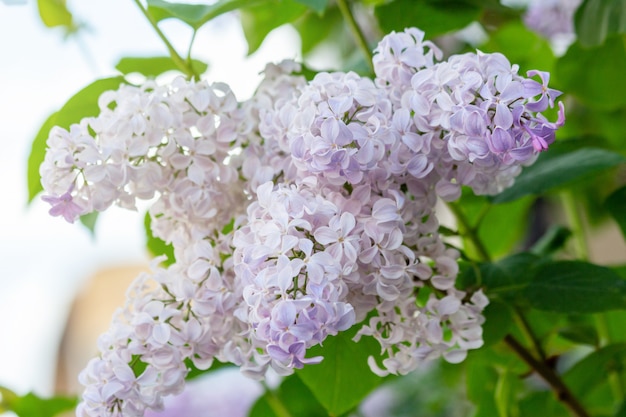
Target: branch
x=563 y=393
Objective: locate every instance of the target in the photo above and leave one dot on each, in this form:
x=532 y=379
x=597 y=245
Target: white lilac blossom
x=297 y=214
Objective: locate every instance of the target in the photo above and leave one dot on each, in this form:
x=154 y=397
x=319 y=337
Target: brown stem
x=563 y=393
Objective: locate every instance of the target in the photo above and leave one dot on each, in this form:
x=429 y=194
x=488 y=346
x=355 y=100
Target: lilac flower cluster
x=298 y=214
x=553 y=19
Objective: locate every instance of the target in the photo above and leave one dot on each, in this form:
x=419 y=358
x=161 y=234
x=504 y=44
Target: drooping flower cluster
x=297 y=214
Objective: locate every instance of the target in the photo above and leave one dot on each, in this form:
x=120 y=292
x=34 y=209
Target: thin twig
x=178 y=60
x=356 y=31
x=469 y=232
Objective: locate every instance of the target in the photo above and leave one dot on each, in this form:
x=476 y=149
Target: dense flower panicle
x=478 y=120
x=297 y=214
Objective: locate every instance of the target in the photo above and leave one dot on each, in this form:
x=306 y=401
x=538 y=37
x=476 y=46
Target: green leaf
x=319 y=6
x=597 y=19
x=616 y=205
x=85 y=102
x=343 y=379
x=621 y=411
x=292 y=398
x=30 y=405
x=584 y=73
x=502 y=227
x=37 y=156
x=481 y=380
x=591 y=372
x=82 y=104
x=54 y=13
x=259 y=19
x=521 y=46
x=433 y=17
x=506 y=278
x=195 y=15
x=498 y=321
x=315 y=29
x=156 y=246
x=89 y=221
x=153 y=66
x=542 y=403
x=581 y=333
x=575 y=287
x=505 y=392
x=194 y=372
x=137 y=365
x=550 y=172
x=553 y=240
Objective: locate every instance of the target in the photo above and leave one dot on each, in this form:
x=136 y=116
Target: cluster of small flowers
x=553 y=19
x=478 y=120
x=296 y=214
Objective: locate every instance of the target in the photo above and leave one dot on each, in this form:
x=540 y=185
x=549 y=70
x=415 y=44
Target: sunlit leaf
x=259 y=19
x=54 y=13
x=343 y=379
x=597 y=19
x=616 y=205
x=433 y=17
x=153 y=66
x=82 y=104
x=31 y=405
x=550 y=172
x=586 y=74
x=37 y=156
x=195 y=15
x=575 y=287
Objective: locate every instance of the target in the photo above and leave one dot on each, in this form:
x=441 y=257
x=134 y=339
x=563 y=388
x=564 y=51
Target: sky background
x=44 y=261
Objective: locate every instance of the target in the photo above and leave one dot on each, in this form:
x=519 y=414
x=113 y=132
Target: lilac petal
x=503 y=117
x=325 y=235
x=500 y=141
x=284 y=314
x=455 y=356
